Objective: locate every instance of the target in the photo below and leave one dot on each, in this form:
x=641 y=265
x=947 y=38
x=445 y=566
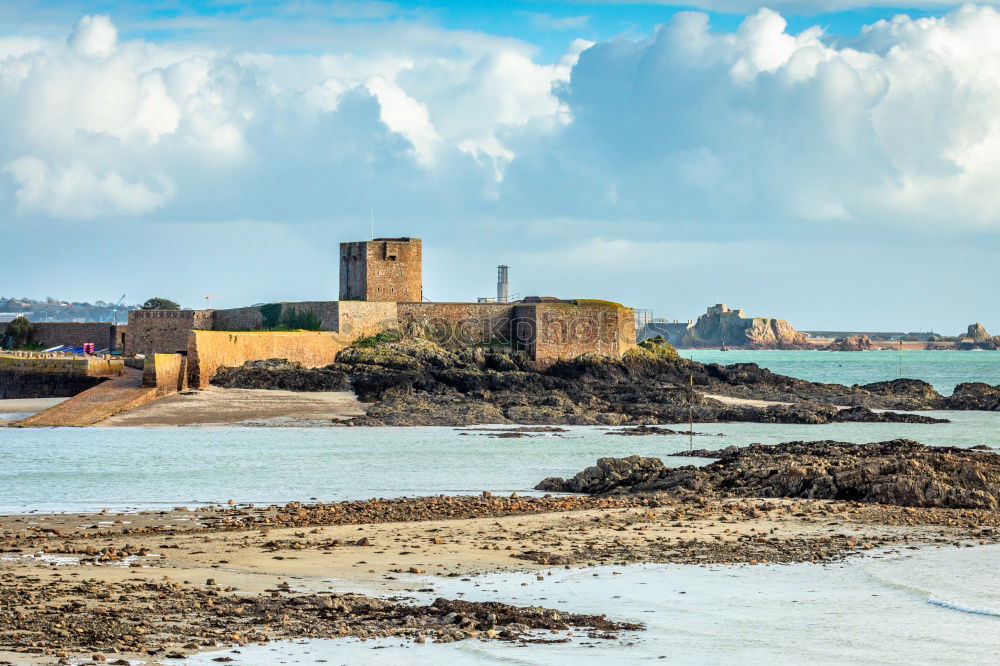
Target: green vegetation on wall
x=377 y=339
x=277 y=318
x=300 y=320
x=271 y=312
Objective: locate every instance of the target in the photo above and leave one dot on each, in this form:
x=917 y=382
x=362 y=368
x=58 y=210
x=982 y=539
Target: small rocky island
x=898 y=472
x=410 y=381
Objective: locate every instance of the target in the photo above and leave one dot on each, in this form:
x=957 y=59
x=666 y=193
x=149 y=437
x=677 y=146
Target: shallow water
x=87 y=469
x=865 y=611
x=931 y=606
x=942 y=369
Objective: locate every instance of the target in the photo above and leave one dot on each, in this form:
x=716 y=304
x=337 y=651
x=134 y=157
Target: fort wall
x=167 y=373
x=76 y=334
x=359 y=319
x=550 y=332
x=356 y=318
x=163 y=331
x=458 y=323
x=210 y=350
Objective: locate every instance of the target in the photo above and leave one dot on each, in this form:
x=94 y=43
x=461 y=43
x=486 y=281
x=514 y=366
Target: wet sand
x=24 y=406
x=192 y=561
x=253 y=407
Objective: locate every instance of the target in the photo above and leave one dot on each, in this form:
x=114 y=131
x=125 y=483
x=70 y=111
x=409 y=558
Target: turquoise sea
x=942 y=369
x=927 y=606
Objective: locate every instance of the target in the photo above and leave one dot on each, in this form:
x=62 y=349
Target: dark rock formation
x=647 y=430
x=900 y=472
x=974 y=395
x=416 y=382
x=280 y=374
x=608 y=475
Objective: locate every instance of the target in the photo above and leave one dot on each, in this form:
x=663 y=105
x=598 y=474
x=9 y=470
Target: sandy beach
x=217 y=406
x=237 y=556
x=22 y=406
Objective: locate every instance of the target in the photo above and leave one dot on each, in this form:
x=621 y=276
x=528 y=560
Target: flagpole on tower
x=372 y=214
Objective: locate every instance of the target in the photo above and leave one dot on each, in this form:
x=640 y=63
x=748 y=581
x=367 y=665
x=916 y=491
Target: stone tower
x=384 y=269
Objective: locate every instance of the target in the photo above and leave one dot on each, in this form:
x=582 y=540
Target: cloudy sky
x=832 y=162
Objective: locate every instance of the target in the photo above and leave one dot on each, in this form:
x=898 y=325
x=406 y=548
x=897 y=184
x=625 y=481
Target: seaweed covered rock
x=900 y=472
x=974 y=395
x=607 y=475
x=282 y=374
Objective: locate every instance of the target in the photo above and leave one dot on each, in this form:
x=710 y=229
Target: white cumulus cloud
x=899 y=125
x=94 y=36
x=691 y=126
x=75 y=191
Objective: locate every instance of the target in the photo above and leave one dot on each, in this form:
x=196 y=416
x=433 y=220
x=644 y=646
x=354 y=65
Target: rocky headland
x=413 y=381
x=897 y=472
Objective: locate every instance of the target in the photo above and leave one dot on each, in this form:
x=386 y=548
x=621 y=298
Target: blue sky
x=550 y=26
x=830 y=162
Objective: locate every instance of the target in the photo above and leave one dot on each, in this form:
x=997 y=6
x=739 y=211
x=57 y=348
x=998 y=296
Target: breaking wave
x=964 y=609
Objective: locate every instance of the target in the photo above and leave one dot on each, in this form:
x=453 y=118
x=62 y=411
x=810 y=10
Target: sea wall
x=210 y=350
x=167 y=373
x=76 y=334
x=49 y=377
x=163 y=331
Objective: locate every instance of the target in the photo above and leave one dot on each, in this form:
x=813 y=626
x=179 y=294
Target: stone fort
x=381 y=288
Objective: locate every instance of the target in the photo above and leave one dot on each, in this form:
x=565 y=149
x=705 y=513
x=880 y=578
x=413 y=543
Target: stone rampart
x=210 y=350
x=76 y=334
x=238 y=319
x=40 y=376
x=163 y=331
x=167 y=373
x=251 y=318
x=359 y=319
x=550 y=332
x=461 y=324
x=547 y=330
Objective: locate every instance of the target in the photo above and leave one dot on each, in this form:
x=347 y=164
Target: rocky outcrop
x=900 y=472
x=281 y=374
x=722 y=326
x=977 y=337
x=416 y=382
x=609 y=475
x=974 y=395
x=978 y=333
x=852 y=343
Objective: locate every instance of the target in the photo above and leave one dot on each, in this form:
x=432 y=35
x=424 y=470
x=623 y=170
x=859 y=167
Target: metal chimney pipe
x=503 y=289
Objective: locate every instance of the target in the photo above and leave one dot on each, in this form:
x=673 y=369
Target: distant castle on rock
x=722 y=326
